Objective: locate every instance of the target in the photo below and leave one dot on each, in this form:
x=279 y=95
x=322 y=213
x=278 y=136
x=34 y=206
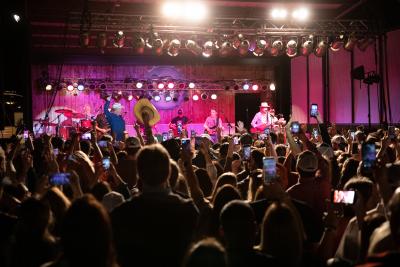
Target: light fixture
x=291 y=48
x=170 y=85
x=279 y=13
x=227 y=87
x=119 y=39
x=138 y=44
x=321 y=48
x=157 y=98
x=307 y=46
x=48 y=87
x=130 y=97
x=300 y=14
x=261 y=45
x=81 y=87
x=276 y=48
x=351 y=42
x=192 y=85
x=236 y=87
x=155 y=43
x=363 y=43
x=193 y=47
x=272 y=87
x=173 y=48
x=84 y=39
x=119 y=92
x=16 y=17
x=204 y=96
x=226 y=49
x=175 y=97
x=195 y=97
x=102 y=40
x=139 y=85
x=160 y=85
x=186 y=96
x=254 y=87
x=75 y=84
x=103 y=86
x=194 y=11
x=167 y=97
x=243 y=47
x=70 y=87
x=208 y=49
x=170 y=9
x=246 y=86
x=214 y=96
x=337 y=43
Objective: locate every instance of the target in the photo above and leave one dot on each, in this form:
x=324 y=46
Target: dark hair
x=207 y=252
x=349 y=170
x=246 y=139
x=34 y=217
x=204 y=181
x=280 y=150
x=153 y=165
x=257 y=156
x=225 y=178
x=224 y=195
x=362 y=184
x=174 y=173
x=85 y=146
x=100 y=189
x=223 y=150
x=173 y=148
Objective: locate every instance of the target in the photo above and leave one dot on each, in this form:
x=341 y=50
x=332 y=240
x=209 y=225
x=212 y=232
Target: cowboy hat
x=264 y=105
x=144 y=105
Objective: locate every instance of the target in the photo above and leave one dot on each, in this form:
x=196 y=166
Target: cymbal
x=76 y=115
x=47 y=123
x=63 y=111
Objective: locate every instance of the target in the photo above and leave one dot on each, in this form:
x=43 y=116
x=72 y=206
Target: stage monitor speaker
x=358 y=73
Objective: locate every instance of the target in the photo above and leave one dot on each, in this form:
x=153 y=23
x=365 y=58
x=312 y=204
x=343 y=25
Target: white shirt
x=263 y=119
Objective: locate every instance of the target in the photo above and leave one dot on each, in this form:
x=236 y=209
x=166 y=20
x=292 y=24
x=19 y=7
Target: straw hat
x=145 y=106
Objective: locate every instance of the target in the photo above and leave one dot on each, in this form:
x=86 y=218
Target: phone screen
x=186 y=144
x=295 y=127
x=353 y=135
x=344 y=197
x=170 y=135
x=392 y=132
x=86 y=136
x=192 y=133
x=269 y=167
x=266 y=131
x=55 y=151
x=164 y=137
x=315 y=132
x=106 y=163
x=236 y=140
x=246 y=152
x=314 y=110
x=368 y=155
x=102 y=143
x=26 y=134
x=61 y=178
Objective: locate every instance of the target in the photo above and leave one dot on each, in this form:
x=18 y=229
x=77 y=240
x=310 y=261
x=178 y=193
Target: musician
x=262 y=119
x=212 y=123
x=115 y=119
x=179 y=123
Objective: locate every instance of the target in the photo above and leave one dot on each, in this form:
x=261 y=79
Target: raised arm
x=107 y=106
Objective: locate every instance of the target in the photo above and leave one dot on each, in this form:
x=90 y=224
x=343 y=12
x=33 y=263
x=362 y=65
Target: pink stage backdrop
x=393 y=61
x=197 y=111
x=299 y=89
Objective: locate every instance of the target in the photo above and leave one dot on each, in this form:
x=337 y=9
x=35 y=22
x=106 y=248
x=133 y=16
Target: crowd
x=142 y=203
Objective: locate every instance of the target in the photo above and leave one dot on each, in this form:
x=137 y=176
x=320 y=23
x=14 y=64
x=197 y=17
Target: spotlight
x=173 y=48
x=175 y=97
x=192 y=85
x=160 y=85
x=119 y=39
x=208 y=49
x=291 y=48
x=195 y=97
x=307 y=47
x=170 y=10
x=138 y=44
x=186 y=96
x=193 y=47
x=81 y=87
x=272 y=87
x=204 y=96
x=226 y=49
x=254 y=87
x=103 y=86
x=167 y=97
x=181 y=85
x=170 y=85
x=130 y=97
x=49 y=87
x=337 y=43
x=246 y=86
x=16 y=17
x=351 y=42
x=195 y=11
x=150 y=86
x=70 y=87
x=155 y=43
x=363 y=43
x=277 y=47
x=119 y=92
x=84 y=39
x=102 y=40
x=278 y=13
x=301 y=14
x=236 y=87
x=92 y=87
x=261 y=45
x=139 y=85
x=243 y=48
x=214 y=96
x=321 y=48
x=157 y=98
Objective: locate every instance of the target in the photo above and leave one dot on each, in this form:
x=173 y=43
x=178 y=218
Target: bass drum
x=86 y=125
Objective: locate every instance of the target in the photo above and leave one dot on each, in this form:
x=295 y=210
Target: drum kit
x=75 y=123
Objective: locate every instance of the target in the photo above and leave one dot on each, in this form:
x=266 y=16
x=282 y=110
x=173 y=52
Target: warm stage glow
x=272 y=87
x=279 y=13
x=190 y=11
x=301 y=14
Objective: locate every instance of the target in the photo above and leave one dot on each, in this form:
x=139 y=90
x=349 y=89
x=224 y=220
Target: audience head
x=256 y=159
x=132 y=145
x=173 y=178
x=362 y=185
x=100 y=189
x=307 y=164
x=204 y=181
x=224 y=195
x=207 y=252
x=394 y=208
x=33 y=219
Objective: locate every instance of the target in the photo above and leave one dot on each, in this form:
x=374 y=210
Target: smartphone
x=170 y=135
x=106 y=163
x=343 y=197
x=71 y=157
x=269 y=168
x=314 y=110
x=61 y=178
x=353 y=135
x=236 y=140
x=354 y=148
x=164 y=137
x=368 y=155
x=192 y=133
x=391 y=132
x=55 y=151
x=295 y=127
x=179 y=128
x=261 y=136
x=26 y=134
x=246 y=152
x=185 y=144
x=102 y=143
x=266 y=131
x=86 y=136
x=315 y=133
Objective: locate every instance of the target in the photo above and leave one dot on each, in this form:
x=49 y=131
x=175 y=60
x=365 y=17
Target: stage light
x=175 y=97
x=204 y=96
x=138 y=44
x=155 y=43
x=173 y=48
x=70 y=87
x=337 y=43
x=236 y=87
x=186 y=96
x=226 y=49
x=243 y=48
x=279 y=13
x=264 y=87
x=119 y=39
x=150 y=86
x=363 y=43
x=84 y=39
x=261 y=45
x=291 y=48
x=321 y=48
x=246 y=86
x=272 y=87
x=167 y=97
x=102 y=40
x=214 y=96
x=193 y=47
x=307 y=46
x=130 y=97
x=254 y=87
x=103 y=86
x=92 y=87
x=301 y=14
x=139 y=85
x=351 y=42
x=170 y=85
x=195 y=97
x=81 y=87
x=157 y=98
x=171 y=10
x=160 y=85
x=195 y=11
x=277 y=47
x=192 y=85
x=75 y=84
x=16 y=17
x=119 y=92
x=208 y=49
x=49 y=87
x=181 y=85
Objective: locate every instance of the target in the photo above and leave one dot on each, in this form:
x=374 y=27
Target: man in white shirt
x=262 y=119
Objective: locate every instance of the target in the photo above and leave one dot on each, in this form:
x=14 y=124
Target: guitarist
x=212 y=123
x=262 y=119
x=179 y=123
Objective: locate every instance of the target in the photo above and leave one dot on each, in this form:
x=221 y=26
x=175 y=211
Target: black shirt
x=182 y=120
